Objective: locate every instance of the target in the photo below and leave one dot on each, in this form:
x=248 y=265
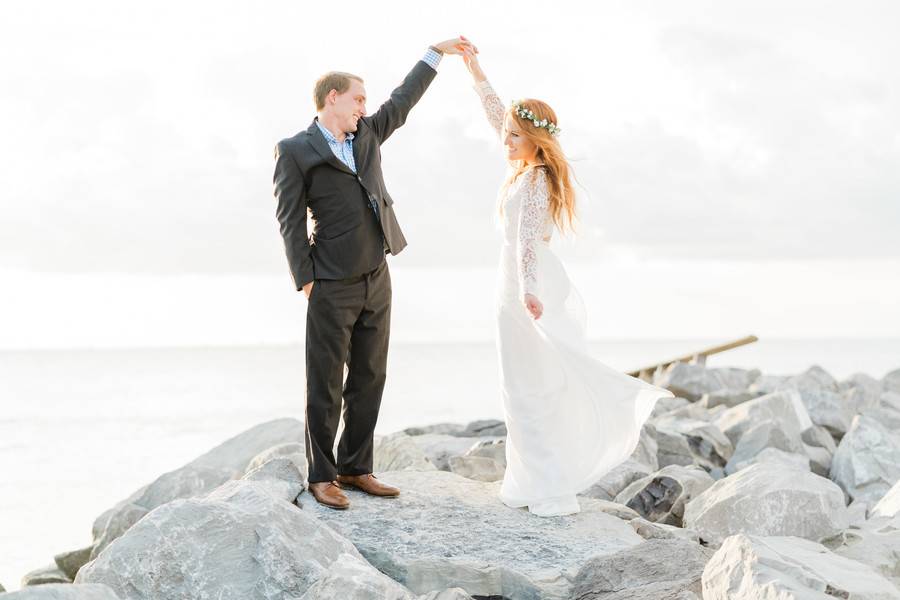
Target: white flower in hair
x=527 y=114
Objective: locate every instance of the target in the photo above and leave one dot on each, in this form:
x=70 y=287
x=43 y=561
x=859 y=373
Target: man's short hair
x=333 y=80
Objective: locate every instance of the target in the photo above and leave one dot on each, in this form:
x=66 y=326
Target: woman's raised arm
x=493 y=107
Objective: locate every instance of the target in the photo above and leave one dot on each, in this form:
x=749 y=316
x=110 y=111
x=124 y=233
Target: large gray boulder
x=618 y=479
x=751 y=567
x=771 y=455
x=661 y=497
x=861 y=392
x=226 y=461
x=708 y=446
x=480 y=428
x=875 y=543
x=439 y=448
x=63 y=591
x=243 y=541
x=826 y=404
x=655 y=570
x=766 y=435
x=768 y=499
x=891 y=381
x=889 y=505
x=445 y=530
x=349 y=578
x=44 y=575
x=692 y=381
x=70 y=562
x=785 y=408
x=484 y=461
x=867 y=461
x=398 y=452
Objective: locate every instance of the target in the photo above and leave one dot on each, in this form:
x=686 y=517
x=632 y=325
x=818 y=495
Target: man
x=333 y=169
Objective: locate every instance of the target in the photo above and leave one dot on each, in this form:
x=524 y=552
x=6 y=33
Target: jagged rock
x=727 y=398
x=768 y=499
x=479 y=468
x=239 y=541
x=889 y=505
x=294 y=451
x=349 y=578
x=891 y=381
x=769 y=435
x=438 y=448
x=692 y=381
x=751 y=567
x=45 y=575
x=658 y=569
x=818 y=437
x=451 y=594
x=819 y=446
x=867 y=461
x=660 y=531
x=484 y=461
x=673 y=449
x=398 y=452
x=282 y=477
x=495 y=449
x=226 y=461
x=668 y=404
x=485 y=427
x=708 y=446
x=445 y=530
x=661 y=497
x=617 y=480
x=861 y=392
x=436 y=429
x=785 y=407
x=823 y=400
x=63 y=591
x=875 y=543
x=770 y=455
x=647 y=449
x=695 y=411
x=766 y=384
x=890 y=401
x=70 y=562
x=480 y=428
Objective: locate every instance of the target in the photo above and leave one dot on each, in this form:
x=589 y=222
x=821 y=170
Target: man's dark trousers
x=347 y=321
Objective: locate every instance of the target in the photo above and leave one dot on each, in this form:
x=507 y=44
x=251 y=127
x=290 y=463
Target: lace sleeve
x=532 y=218
x=493 y=108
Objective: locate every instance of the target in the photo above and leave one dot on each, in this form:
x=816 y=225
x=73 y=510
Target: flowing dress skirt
x=570 y=418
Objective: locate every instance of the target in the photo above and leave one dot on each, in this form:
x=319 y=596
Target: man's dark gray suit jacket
x=346 y=239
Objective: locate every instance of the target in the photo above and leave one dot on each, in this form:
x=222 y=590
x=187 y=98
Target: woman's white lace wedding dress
x=570 y=418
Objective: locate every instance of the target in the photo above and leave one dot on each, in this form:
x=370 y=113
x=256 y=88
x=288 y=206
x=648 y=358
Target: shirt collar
x=330 y=136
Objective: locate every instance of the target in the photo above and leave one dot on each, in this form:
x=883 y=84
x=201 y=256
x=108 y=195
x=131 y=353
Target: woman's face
x=518 y=147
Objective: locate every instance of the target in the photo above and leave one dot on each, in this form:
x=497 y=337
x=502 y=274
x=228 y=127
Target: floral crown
x=527 y=114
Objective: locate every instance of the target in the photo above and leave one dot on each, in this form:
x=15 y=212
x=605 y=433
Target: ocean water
x=82 y=429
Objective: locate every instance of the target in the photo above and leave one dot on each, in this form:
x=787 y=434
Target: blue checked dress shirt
x=344 y=150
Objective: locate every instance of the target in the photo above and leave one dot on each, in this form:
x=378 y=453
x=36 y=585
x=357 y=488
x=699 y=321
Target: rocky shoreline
x=743 y=486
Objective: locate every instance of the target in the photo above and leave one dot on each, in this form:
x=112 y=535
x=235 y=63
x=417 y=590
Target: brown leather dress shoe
x=329 y=493
x=369 y=484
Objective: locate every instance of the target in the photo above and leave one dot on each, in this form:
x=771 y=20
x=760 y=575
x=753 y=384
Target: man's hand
x=458 y=45
x=534 y=306
x=307 y=289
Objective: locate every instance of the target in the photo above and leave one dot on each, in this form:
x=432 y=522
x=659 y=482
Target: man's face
x=350 y=106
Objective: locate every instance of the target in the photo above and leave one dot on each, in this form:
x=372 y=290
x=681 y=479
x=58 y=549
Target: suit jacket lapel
x=321 y=146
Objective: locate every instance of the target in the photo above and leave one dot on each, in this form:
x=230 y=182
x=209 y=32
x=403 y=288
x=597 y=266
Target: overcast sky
x=137 y=138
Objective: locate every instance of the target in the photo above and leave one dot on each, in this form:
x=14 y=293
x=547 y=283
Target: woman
x=570 y=418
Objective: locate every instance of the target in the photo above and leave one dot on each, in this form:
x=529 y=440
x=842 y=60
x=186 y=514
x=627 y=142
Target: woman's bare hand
x=534 y=306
